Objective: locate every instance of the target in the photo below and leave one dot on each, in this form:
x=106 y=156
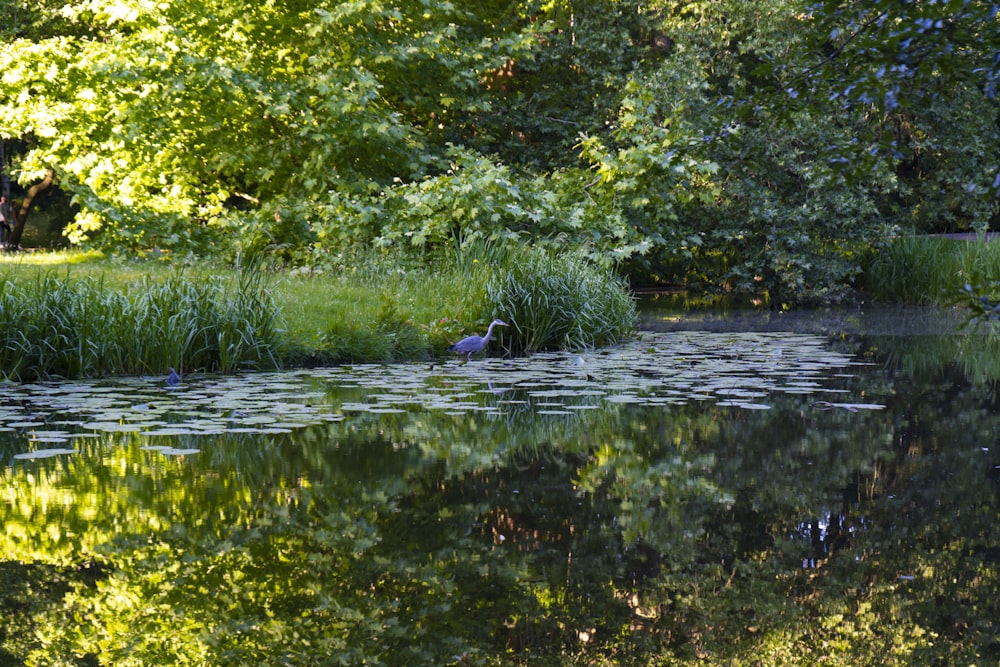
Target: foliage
x=751 y=209
x=917 y=73
x=939 y=159
x=164 y=118
x=930 y=271
x=983 y=302
x=760 y=149
x=903 y=57
x=551 y=301
x=111 y=316
x=798 y=184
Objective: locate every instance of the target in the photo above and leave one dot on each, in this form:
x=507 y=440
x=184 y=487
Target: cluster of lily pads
x=739 y=371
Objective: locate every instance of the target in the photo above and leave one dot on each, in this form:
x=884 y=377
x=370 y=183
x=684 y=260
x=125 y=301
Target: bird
x=173 y=379
x=469 y=346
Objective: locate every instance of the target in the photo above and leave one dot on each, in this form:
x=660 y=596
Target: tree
x=758 y=159
x=752 y=148
x=157 y=117
x=926 y=73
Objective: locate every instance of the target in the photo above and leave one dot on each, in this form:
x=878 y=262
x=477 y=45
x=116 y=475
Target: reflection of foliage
x=29 y=591
x=675 y=534
x=662 y=498
x=976 y=352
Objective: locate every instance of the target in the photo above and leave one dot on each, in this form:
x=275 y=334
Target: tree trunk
x=21 y=212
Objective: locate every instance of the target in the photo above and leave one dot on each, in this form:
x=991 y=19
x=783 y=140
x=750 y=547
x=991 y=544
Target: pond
x=772 y=489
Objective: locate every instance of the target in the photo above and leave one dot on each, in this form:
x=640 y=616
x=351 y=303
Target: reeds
x=60 y=327
x=128 y=318
x=560 y=302
x=930 y=271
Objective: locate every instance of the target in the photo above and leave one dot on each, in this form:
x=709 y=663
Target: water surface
x=774 y=495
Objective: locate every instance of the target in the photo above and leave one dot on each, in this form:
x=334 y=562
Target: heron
x=469 y=346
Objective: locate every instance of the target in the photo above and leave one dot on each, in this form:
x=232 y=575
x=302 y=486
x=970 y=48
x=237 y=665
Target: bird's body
x=469 y=346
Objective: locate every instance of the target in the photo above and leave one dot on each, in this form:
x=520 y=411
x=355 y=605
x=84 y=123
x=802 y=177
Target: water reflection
x=682 y=499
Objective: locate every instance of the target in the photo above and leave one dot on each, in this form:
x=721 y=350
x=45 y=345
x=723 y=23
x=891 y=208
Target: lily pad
x=739 y=371
x=171 y=451
x=44 y=453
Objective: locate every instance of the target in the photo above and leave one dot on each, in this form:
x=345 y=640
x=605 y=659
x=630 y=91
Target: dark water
x=735 y=489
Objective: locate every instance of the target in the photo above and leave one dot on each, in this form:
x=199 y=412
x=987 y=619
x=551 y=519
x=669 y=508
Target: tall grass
x=560 y=302
x=551 y=302
x=210 y=325
x=923 y=270
x=112 y=317
x=61 y=327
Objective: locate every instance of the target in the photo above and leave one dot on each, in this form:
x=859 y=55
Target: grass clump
x=560 y=302
x=375 y=310
x=80 y=327
x=930 y=271
x=210 y=325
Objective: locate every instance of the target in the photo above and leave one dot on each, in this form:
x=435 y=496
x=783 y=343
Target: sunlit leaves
x=750 y=148
x=186 y=109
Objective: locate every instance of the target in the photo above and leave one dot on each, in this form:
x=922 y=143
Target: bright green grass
x=55 y=258
x=310 y=303
x=377 y=315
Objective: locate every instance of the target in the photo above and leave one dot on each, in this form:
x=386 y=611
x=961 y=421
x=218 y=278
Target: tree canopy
x=756 y=148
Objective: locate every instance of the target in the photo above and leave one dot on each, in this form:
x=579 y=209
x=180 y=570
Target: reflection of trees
x=79 y=505
x=896 y=573
x=629 y=535
x=930 y=551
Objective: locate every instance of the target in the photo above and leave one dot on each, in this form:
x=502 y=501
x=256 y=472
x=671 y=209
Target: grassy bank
x=82 y=315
